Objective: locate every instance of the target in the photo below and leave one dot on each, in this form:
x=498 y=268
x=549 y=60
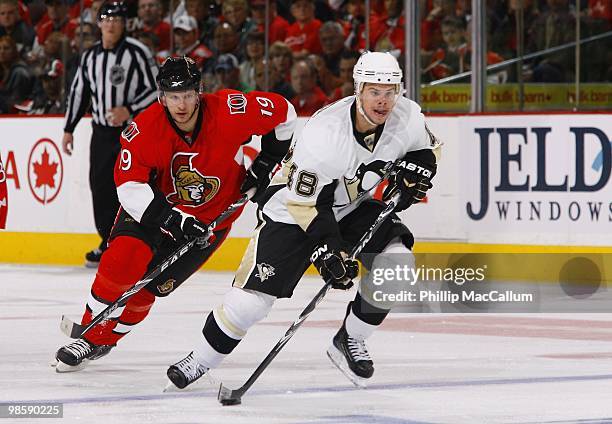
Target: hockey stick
x=233 y=397
x=76 y=331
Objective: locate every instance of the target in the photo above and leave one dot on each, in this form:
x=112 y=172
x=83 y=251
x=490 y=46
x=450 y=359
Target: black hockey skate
x=74 y=356
x=92 y=258
x=185 y=371
x=351 y=357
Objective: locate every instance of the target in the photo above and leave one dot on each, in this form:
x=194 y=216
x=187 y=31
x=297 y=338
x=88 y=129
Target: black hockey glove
x=412 y=177
x=334 y=268
x=180 y=225
x=258 y=175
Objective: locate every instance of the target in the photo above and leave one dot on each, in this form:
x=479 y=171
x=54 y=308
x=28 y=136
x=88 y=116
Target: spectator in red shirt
x=303 y=35
x=387 y=31
x=150 y=20
x=431 y=32
x=353 y=24
x=308 y=97
x=448 y=60
x=57 y=10
x=186 y=40
x=278 y=24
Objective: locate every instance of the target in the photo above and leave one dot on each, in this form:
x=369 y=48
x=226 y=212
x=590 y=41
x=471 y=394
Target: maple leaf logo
x=45 y=171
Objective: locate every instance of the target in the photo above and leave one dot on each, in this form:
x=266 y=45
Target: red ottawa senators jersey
x=202 y=178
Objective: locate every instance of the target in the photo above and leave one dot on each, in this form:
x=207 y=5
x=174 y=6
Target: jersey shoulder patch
x=236 y=103
x=130 y=131
x=145 y=123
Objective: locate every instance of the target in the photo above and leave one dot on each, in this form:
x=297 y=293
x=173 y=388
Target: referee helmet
x=112 y=9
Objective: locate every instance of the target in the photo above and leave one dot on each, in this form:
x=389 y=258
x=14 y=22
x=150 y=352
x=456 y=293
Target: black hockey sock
x=215 y=336
x=366 y=312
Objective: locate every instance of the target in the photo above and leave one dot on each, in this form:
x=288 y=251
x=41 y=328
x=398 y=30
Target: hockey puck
x=230 y=401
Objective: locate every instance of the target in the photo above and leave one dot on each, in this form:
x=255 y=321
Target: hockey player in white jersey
x=320 y=200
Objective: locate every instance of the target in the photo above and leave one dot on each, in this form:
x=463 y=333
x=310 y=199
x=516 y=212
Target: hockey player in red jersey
x=179 y=167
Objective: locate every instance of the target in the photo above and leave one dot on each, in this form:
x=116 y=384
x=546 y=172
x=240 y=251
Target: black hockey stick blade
x=71 y=328
x=227 y=396
x=76 y=331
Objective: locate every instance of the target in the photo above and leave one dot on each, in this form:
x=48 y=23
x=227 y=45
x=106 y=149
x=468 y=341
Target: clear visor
x=177 y=98
x=379 y=92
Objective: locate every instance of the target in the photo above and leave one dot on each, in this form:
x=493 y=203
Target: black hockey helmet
x=179 y=74
x=112 y=8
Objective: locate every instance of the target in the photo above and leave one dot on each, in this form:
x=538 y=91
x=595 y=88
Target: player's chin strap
x=196 y=108
x=360 y=109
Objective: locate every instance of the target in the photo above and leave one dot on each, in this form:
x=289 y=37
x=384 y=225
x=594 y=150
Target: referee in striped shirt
x=117 y=75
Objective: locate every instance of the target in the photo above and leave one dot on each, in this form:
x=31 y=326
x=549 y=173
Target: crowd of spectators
x=313 y=44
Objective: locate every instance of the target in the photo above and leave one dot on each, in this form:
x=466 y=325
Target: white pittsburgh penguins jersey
x=327 y=153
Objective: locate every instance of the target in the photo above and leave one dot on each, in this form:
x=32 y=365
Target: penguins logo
x=191 y=187
x=365 y=179
x=265 y=271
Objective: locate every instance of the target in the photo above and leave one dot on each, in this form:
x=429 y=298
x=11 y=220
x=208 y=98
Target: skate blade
x=202 y=383
x=338 y=359
x=91 y=265
x=60 y=367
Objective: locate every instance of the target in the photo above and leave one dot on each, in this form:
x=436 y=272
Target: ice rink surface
x=430 y=368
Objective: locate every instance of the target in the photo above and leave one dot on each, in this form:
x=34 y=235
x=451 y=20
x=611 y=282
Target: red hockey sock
x=122 y=264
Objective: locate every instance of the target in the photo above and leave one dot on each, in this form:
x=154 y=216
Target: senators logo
x=167 y=286
x=191 y=187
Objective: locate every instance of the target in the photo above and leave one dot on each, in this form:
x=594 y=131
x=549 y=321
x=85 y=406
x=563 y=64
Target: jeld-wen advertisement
x=537 y=179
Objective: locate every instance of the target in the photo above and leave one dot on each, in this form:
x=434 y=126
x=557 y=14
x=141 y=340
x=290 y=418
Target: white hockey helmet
x=376 y=68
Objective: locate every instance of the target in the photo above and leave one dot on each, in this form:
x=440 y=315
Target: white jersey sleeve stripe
x=135 y=198
x=284 y=131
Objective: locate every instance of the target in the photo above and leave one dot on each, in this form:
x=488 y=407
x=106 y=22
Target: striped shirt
x=122 y=76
